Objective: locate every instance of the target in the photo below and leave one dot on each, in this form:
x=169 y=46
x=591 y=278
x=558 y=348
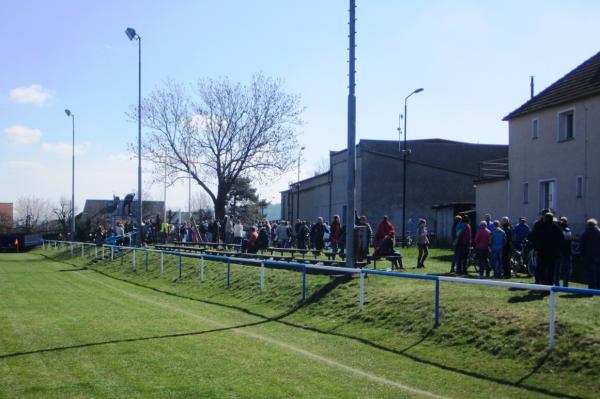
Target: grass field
x=85 y=328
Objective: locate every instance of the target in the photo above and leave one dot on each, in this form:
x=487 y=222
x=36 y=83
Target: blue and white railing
x=80 y=247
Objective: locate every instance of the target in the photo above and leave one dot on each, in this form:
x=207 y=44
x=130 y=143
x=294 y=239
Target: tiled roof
x=581 y=82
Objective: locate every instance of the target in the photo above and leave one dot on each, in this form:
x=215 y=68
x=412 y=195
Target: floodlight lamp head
x=131 y=34
x=420 y=89
x=68 y=112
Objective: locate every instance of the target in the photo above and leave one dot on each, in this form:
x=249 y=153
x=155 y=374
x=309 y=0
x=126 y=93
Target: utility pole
x=350 y=189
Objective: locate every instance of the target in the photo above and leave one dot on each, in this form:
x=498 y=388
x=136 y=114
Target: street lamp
x=72 y=116
x=298 y=185
x=132 y=35
x=405 y=153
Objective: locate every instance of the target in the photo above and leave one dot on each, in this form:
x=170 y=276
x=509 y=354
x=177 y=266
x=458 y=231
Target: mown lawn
x=101 y=329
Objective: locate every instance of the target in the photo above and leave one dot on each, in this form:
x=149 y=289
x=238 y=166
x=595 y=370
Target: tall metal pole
x=140 y=217
x=350 y=190
x=73 y=183
x=404 y=154
x=189 y=198
x=165 y=195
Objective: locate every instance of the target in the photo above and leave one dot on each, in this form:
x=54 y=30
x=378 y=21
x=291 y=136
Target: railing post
x=102 y=251
x=303 y=283
x=180 y=268
x=162 y=262
x=72 y=249
x=112 y=253
x=228 y=272
x=146 y=259
x=202 y=268
x=96 y=251
x=552 y=317
x=82 y=250
x=436 y=312
x=262 y=276
x=361 y=289
x=134 y=260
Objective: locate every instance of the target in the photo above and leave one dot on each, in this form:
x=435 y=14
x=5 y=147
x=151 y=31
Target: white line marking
x=274 y=342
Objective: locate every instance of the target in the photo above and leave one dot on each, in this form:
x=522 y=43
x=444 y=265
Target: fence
x=228 y=260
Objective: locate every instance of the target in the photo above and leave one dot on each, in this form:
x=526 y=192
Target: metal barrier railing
x=265 y=263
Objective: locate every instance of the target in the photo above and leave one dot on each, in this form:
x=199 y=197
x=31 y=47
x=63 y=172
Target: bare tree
x=62 y=211
x=31 y=212
x=226 y=131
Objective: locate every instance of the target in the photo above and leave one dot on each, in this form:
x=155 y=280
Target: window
x=547 y=194
x=525 y=193
x=535 y=128
x=566 y=125
x=579 y=186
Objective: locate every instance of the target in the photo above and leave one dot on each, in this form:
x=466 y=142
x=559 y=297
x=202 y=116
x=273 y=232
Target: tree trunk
x=219 y=203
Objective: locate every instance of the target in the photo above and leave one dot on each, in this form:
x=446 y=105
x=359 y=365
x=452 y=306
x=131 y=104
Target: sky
x=473 y=59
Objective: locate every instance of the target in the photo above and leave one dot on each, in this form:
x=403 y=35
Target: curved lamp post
x=405 y=153
x=72 y=116
x=132 y=35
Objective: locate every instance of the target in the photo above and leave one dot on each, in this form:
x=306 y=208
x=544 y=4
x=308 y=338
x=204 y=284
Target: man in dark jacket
x=317 y=233
x=590 y=251
x=548 y=240
x=506 y=251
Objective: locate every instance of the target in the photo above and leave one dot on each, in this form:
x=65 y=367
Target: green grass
x=100 y=329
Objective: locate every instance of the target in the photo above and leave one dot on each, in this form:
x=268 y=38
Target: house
x=438 y=172
x=6 y=216
x=553 y=158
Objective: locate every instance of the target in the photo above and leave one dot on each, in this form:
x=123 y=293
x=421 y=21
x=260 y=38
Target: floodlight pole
x=73 y=179
x=298 y=185
x=132 y=34
x=351 y=162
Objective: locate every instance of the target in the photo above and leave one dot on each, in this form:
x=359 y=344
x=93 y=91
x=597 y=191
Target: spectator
x=335 y=233
x=283 y=234
x=216 y=231
x=549 y=244
x=497 y=240
x=262 y=241
x=422 y=243
x=303 y=235
x=565 y=264
x=488 y=221
x=482 y=249
x=506 y=251
x=464 y=245
x=384 y=229
x=317 y=233
x=387 y=249
x=238 y=232
x=228 y=230
x=520 y=233
x=363 y=221
x=249 y=245
x=457 y=228
x=590 y=251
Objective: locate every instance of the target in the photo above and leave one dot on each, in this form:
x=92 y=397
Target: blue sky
x=473 y=58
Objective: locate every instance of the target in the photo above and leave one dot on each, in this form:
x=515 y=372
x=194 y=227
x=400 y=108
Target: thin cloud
x=66 y=149
x=21 y=165
x=120 y=157
x=34 y=94
x=23 y=135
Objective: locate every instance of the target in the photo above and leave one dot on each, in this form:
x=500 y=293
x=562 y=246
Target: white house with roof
x=554 y=153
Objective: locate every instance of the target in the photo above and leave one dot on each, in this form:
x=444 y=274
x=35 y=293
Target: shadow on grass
x=528 y=297
x=315 y=297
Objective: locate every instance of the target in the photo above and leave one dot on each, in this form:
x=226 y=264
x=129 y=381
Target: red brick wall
x=6 y=212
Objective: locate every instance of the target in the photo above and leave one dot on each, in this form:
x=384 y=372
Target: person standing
x=506 y=251
x=384 y=229
x=422 y=243
x=565 y=265
x=464 y=245
x=590 y=251
x=521 y=232
x=482 y=248
x=238 y=232
x=550 y=244
x=335 y=233
x=457 y=229
x=497 y=240
x=317 y=232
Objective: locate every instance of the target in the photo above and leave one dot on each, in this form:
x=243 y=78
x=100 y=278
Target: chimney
x=531 y=85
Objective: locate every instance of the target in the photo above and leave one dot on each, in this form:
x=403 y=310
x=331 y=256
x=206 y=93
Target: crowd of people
x=550 y=238
x=493 y=242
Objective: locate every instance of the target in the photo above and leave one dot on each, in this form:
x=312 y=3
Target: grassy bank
x=491 y=342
